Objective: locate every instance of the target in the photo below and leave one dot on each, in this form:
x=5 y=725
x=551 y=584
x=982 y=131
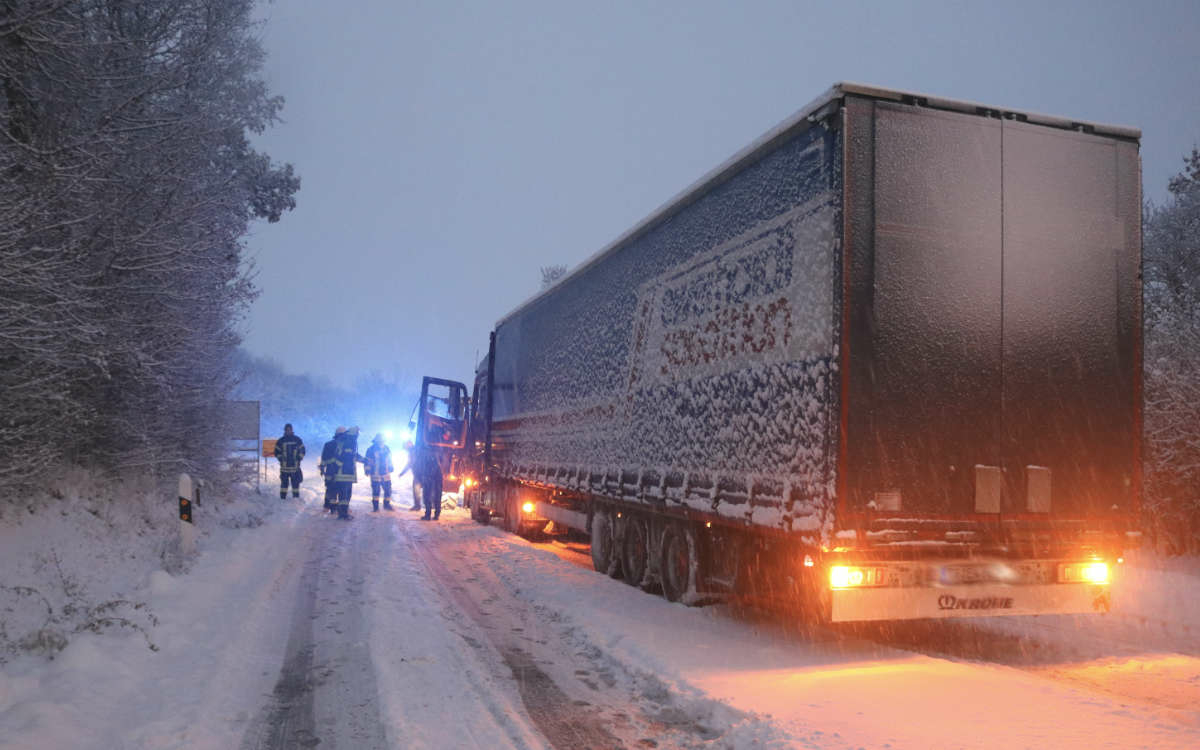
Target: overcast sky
x=448 y=150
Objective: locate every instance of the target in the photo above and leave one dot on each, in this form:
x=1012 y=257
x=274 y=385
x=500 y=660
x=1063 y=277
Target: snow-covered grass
x=79 y=558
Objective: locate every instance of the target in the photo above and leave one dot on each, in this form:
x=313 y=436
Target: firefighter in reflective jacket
x=380 y=467
x=345 y=470
x=326 y=467
x=289 y=452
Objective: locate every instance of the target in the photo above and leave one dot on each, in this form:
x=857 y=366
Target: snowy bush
x=128 y=182
x=31 y=623
x=1172 y=364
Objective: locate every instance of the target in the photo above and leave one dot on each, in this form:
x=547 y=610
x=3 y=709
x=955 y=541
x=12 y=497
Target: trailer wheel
x=635 y=549
x=479 y=512
x=680 y=563
x=604 y=552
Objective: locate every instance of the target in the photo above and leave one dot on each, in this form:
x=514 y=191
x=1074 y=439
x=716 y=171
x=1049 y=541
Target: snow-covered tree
x=551 y=275
x=1172 y=362
x=128 y=182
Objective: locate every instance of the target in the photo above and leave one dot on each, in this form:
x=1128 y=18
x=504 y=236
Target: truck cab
x=440 y=423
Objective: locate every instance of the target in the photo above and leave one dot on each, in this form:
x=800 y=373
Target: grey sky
x=450 y=149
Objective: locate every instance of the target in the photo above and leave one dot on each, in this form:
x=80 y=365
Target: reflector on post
x=187 y=529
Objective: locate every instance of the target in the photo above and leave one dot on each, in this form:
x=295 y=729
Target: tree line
x=1171 y=277
x=315 y=407
x=127 y=184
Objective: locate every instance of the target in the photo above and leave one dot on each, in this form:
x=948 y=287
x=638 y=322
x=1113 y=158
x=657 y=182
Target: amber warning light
x=848 y=577
x=1084 y=572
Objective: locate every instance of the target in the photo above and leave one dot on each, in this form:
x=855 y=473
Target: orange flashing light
x=849 y=577
x=1095 y=572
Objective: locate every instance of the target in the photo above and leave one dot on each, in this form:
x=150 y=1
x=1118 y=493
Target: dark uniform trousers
x=381 y=484
x=431 y=493
x=295 y=477
x=341 y=493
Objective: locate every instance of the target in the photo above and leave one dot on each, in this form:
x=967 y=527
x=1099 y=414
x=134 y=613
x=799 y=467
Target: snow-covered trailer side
x=887 y=358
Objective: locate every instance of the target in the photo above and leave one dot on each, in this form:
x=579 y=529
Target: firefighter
x=328 y=471
x=428 y=472
x=380 y=467
x=289 y=452
x=345 y=469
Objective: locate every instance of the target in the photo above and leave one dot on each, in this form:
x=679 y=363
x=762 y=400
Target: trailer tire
x=679 y=566
x=479 y=512
x=635 y=549
x=604 y=548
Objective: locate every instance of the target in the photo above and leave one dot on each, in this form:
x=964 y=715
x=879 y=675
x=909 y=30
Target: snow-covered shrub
x=1172 y=364
x=37 y=622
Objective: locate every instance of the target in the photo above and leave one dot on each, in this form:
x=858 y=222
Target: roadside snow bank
x=124 y=643
x=80 y=558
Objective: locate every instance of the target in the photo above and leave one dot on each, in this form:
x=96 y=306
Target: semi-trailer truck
x=884 y=363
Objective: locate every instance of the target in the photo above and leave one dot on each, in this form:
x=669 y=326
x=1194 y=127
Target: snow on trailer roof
x=815 y=111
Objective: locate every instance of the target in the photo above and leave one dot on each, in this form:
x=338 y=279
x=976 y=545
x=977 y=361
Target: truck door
x=993 y=315
x=926 y=298
x=442 y=414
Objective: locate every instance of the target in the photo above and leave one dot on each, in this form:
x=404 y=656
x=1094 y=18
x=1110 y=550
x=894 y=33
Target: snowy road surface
x=387 y=632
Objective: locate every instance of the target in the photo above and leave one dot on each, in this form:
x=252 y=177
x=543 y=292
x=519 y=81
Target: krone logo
x=949 y=601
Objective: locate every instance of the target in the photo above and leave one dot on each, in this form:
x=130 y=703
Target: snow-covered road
x=388 y=632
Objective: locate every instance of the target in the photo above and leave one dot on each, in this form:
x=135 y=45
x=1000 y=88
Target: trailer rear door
x=991 y=314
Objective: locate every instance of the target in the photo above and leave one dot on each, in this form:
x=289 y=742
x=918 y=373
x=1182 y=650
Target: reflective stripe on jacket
x=289 y=451
x=345 y=456
x=379 y=462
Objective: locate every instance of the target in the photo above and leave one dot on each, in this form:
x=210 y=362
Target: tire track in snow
x=287 y=721
x=347 y=695
x=564 y=723
x=327 y=671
